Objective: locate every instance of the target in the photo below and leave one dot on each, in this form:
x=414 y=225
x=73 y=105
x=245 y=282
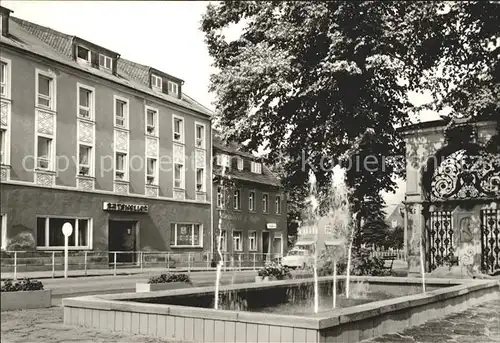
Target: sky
x=161 y=34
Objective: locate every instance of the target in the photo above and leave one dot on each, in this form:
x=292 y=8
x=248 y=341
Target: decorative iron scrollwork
x=490 y=239
x=440 y=239
x=464 y=176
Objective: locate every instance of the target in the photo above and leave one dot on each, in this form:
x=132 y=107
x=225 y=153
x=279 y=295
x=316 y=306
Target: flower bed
x=273 y=271
x=164 y=282
x=24 y=294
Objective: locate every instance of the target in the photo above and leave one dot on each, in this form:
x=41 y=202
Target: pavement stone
x=479 y=324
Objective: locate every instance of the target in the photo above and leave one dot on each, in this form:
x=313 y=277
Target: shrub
x=361 y=264
x=275 y=270
x=23 y=241
x=22 y=285
x=166 y=278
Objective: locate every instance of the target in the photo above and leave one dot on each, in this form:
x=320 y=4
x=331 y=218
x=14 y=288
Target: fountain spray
x=219 y=238
x=349 y=257
x=422 y=267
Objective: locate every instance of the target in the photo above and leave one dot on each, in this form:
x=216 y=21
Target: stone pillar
x=416 y=228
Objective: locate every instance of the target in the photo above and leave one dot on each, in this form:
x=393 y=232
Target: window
x=151 y=171
x=2 y=146
x=222 y=160
x=236 y=200
x=105 y=62
x=85 y=153
x=178 y=129
x=85 y=102
x=44 y=153
x=252 y=241
x=3 y=225
x=120 y=166
x=49 y=232
x=256 y=168
x=237 y=243
x=200 y=179
x=3 y=78
x=240 y=163
x=265 y=203
x=200 y=136
x=121 y=112
x=278 y=204
x=156 y=82
x=186 y=235
x=220 y=197
x=151 y=121
x=45 y=91
x=178 y=176
x=173 y=88
x=251 y=201
x=83 y=54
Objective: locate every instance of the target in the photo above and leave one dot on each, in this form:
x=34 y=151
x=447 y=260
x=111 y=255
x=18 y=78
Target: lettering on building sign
x=117 y=207
x=271 y=225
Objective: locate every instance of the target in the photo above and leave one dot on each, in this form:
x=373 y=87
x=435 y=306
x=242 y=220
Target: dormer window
x=105 y=62
x=156 y=82
x=256 y=168
x=240 y=163
x=83 y=54
x=173 y=88
x=4 y=20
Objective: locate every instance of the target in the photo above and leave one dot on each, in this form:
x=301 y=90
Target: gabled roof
x=57 y=46
x=232 y=148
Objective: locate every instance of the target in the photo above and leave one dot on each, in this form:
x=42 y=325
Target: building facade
x=453 y=194
x=111 y=146
x=250 y=203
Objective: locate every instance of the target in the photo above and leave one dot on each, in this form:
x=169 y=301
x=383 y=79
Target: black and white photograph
x=250 y=171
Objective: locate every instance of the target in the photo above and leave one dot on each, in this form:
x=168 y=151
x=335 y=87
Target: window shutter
x=114 y=66
x=164 y=87
x=94 y=59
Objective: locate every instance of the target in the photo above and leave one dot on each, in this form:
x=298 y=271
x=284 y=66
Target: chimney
x=4 y=20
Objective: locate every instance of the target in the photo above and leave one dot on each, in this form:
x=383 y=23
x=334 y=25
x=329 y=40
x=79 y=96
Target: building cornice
x=102 y=192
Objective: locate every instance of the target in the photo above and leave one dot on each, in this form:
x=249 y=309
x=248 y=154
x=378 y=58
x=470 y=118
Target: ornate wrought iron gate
x=490 y=240
x=440 y=239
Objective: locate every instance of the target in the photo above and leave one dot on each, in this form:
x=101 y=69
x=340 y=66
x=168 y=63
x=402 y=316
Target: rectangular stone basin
x=387 y=304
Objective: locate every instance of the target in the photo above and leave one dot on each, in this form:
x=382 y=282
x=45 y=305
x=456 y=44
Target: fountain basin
x=171 y=314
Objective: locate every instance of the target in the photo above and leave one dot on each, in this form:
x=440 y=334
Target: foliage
x=361 y=264
x=166 y=278
x=395 y=238
x=275 y=270
x=375 y=228
x=310 y=80
x=22 y=285
x=23 y=241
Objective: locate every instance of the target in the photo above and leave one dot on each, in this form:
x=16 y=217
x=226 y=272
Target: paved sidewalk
x=110 y=272
x=478 y=324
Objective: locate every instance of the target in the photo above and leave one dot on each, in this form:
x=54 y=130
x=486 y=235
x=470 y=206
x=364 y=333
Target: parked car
x=298 y=258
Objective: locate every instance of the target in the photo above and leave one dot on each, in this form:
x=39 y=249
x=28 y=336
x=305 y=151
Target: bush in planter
x=275 y=271
x=22 y=285
x=166 y=278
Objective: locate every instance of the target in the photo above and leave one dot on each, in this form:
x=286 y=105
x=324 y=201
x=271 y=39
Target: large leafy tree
x=308 y=80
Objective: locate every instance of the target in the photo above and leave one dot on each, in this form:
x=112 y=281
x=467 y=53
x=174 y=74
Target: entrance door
x=122 y=240
x=278 y=245
x=265 y=245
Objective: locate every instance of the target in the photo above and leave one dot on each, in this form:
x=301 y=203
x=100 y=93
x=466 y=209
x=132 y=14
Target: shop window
x=186 y=235
x=49 y=232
